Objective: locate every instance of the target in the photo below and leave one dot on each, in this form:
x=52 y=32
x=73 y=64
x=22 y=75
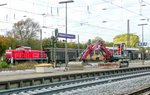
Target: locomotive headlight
x=8 y=52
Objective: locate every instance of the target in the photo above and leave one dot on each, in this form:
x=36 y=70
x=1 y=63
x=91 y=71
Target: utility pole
x=55 y=41
x=128 y=33
x=54 y=52
x=52 y=47
x=41 y=46
x=66 y=50
x=78 y=46
x=142 y=41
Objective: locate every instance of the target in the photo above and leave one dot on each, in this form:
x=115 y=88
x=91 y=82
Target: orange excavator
x=115 y=57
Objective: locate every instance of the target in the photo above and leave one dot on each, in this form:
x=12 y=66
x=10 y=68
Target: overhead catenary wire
x=61 y=18
x=146 y=2
x=125 y=9
x=30 y=12
x=73 y=6
x=39 y=14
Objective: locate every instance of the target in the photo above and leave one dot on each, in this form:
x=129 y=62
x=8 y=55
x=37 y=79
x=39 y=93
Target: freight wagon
x=73 y=54
x=60 y=54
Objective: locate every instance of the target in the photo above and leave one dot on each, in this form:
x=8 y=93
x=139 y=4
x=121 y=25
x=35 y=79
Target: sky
x=86 y=18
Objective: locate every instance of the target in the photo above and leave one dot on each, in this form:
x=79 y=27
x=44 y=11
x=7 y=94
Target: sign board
x=143 y=44
x=63 y=35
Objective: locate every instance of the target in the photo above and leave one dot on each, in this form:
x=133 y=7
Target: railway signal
x=56 y=33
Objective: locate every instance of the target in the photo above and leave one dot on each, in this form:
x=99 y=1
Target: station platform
x=27 y=74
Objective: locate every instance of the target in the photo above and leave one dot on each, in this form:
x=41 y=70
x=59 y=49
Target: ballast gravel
x=113 y=88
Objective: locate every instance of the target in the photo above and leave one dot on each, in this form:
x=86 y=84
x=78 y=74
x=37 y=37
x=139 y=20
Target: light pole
x=40 y=30
x=142 y=41
x=128 y=33
x=66 y=51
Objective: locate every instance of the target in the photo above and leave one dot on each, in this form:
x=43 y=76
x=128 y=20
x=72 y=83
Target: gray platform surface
x=25 y=74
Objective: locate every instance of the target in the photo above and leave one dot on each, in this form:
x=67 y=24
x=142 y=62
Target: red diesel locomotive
x=22 y=54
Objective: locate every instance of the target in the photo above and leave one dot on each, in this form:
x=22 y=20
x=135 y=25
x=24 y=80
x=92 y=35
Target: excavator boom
x=97 y=46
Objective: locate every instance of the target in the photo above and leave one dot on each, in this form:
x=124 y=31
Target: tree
x=24 y=31
x=12 y=42
x=72 y=45
x=134 y=39
x=34 y=43
x=5 y=43
x=60 y=44
x=108 y=44
x=47 y=43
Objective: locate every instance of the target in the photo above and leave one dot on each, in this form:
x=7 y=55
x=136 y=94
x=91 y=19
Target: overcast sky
x=86 y=18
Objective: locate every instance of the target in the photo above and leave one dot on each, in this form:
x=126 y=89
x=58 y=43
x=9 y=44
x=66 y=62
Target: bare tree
x=23 y=31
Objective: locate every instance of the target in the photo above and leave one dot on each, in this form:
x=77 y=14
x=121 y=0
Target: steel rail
x=141 y=91
x=38 y=80
x=57 y=84
x=50 y=92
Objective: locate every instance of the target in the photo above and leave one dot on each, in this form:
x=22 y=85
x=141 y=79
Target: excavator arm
x=86 y=52
x=98 y=46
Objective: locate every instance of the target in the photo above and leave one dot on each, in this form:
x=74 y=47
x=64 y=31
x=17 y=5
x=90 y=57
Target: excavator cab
x=119 y=53
x=118 y=50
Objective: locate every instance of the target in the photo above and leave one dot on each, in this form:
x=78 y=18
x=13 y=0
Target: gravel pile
x=114 y=88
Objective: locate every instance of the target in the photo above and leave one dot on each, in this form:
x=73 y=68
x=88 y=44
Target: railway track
x=73 y=85
x=19 y=82
x=143 y=91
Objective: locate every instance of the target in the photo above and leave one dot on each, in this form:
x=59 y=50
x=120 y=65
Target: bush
x=3 y=65
x=24 y=66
